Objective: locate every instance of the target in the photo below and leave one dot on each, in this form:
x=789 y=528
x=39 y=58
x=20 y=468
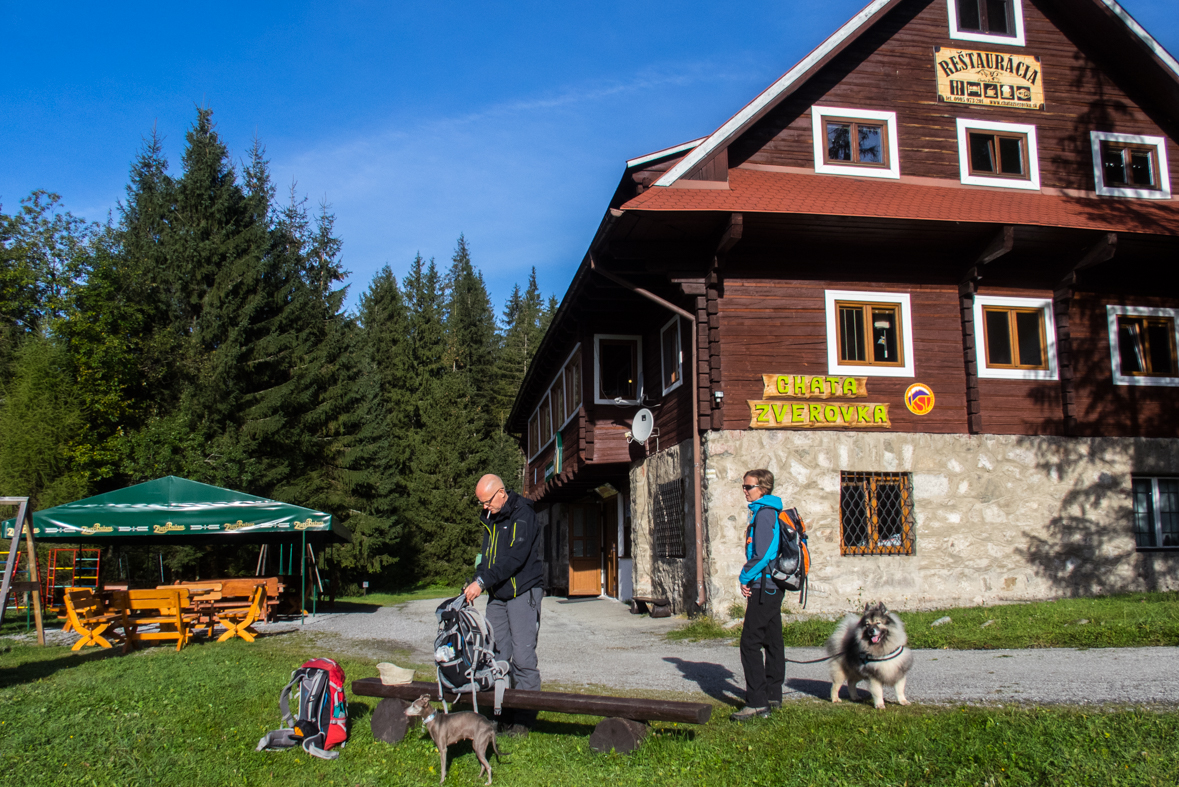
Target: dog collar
x=430 y=718
x=889 y=657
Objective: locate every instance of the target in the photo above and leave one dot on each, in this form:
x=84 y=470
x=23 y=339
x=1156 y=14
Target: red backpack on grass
x=320 y=720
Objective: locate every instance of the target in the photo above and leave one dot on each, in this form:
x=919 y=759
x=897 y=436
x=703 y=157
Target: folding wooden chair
x=88 y=617
x=238 y=621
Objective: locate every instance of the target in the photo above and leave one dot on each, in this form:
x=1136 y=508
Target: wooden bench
x=623 y=729
x=660 y=607
x=164 y=608
x=239 y=621
x=90 y=619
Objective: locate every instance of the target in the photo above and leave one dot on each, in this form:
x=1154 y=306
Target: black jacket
x=511 y=563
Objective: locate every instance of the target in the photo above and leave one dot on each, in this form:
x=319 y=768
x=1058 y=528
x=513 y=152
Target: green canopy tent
x=176 y=511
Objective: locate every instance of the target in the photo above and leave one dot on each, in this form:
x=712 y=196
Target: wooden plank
x=555 y=702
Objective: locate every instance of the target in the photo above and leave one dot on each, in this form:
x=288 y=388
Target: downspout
x=697 y=492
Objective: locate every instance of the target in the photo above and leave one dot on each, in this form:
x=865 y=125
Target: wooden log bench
x=623 y=728
x=659 y=607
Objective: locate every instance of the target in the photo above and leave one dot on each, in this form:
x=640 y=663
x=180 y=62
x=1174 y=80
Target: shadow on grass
x=715 y=680
x=678 y=734
x=812 y=688
x=547 y=727
x=33 y=671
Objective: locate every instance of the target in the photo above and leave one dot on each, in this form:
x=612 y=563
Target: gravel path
x=596 y=643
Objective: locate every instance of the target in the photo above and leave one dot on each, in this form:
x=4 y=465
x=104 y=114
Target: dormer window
x=859 y=142
x=993 y=21
x=998 y=154
x=1130 y=165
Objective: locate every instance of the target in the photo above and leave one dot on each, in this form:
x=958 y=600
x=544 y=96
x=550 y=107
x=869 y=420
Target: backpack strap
x=501 y=683
x=284 y=699
x=309 y=746
x=278 y=739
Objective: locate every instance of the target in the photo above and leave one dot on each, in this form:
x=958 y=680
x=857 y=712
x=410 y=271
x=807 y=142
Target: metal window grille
x=669 y=519
x=876 y=514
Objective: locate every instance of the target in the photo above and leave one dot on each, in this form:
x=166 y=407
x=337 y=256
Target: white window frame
x=1164 y=174
x=989 y=38
x=560 y=376
x=673 y=323
x=893 y=170
x=901 y=299
x=639 y=371
x=545 y=400
x=1044 y=305
x=1158 y=516
x=1112 y=313
x=965 y=125
x=581 y=398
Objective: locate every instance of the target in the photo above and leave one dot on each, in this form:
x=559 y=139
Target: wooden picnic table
x=202 y=598
x=166 y=608
x=239 y=591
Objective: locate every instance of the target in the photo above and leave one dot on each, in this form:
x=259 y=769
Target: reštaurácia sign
x=989 y=79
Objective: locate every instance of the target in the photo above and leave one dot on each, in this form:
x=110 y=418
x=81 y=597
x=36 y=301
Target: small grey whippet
x=448 y=728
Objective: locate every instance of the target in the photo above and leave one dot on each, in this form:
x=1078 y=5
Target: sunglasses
x=487 y=502
x=747 y=487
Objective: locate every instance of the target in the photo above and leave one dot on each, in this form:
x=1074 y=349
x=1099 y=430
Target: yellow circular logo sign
x=919 y=398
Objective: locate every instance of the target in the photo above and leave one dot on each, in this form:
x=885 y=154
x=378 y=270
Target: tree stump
x=621 y=735
x=389 y=720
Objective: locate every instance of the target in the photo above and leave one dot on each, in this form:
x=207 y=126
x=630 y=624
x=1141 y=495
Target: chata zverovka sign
x=969 y=76
x=840 y=410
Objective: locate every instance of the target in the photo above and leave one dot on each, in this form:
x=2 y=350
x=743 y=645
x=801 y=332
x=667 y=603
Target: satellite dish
x=643 y=425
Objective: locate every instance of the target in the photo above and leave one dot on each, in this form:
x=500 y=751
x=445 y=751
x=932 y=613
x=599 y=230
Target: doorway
x=585 y=549
x=610 y=509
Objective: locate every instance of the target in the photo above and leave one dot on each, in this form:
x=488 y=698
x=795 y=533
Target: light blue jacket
x=761 y=540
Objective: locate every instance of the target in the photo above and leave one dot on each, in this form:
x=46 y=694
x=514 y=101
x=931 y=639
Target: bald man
x=510 y=569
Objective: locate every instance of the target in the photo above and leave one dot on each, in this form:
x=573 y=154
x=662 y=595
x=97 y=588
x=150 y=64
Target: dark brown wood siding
x=1108 y=410
x=779 y=327
x=892 y=68
x=1024 y=407
x=673 y=415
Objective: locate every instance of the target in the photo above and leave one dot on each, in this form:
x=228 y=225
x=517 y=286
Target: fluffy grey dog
x=871 y=647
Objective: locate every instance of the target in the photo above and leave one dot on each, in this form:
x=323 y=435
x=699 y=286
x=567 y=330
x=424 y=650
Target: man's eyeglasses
x=487 y=502
x=747 y=487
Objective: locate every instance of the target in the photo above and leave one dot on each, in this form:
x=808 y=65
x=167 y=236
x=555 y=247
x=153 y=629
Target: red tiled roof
x=757 y=191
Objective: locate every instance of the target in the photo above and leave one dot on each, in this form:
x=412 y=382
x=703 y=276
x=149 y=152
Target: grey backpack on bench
x=464 y=651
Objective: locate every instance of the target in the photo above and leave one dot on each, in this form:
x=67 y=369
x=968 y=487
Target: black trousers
x=763 y=657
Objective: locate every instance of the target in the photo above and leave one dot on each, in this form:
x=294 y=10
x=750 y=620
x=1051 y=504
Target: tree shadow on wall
x=1089 y=548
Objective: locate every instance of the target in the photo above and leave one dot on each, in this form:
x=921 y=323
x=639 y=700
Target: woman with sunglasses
x=763 y=657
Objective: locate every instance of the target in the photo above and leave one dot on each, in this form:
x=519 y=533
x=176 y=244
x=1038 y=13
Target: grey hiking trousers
x=516 y=623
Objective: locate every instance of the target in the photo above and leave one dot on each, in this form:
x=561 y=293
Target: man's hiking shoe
x=748 y=712
x=775 y=704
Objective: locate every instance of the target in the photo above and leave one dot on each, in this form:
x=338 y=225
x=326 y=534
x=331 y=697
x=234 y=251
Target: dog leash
x=816 y=661
x=889 y=657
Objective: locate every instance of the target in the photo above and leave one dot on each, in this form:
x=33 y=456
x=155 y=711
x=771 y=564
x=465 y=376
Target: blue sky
x=509 y=122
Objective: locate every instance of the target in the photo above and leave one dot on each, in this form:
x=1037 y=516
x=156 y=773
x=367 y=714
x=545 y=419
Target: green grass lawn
x=157 y=717
x=1128 y=620
x=400 y=597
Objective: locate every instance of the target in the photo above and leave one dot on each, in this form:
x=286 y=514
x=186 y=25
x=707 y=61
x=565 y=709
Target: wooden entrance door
x=585 y=550
x=610 y=539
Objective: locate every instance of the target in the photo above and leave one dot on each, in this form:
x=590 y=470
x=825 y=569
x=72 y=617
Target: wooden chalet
x=923 y=278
